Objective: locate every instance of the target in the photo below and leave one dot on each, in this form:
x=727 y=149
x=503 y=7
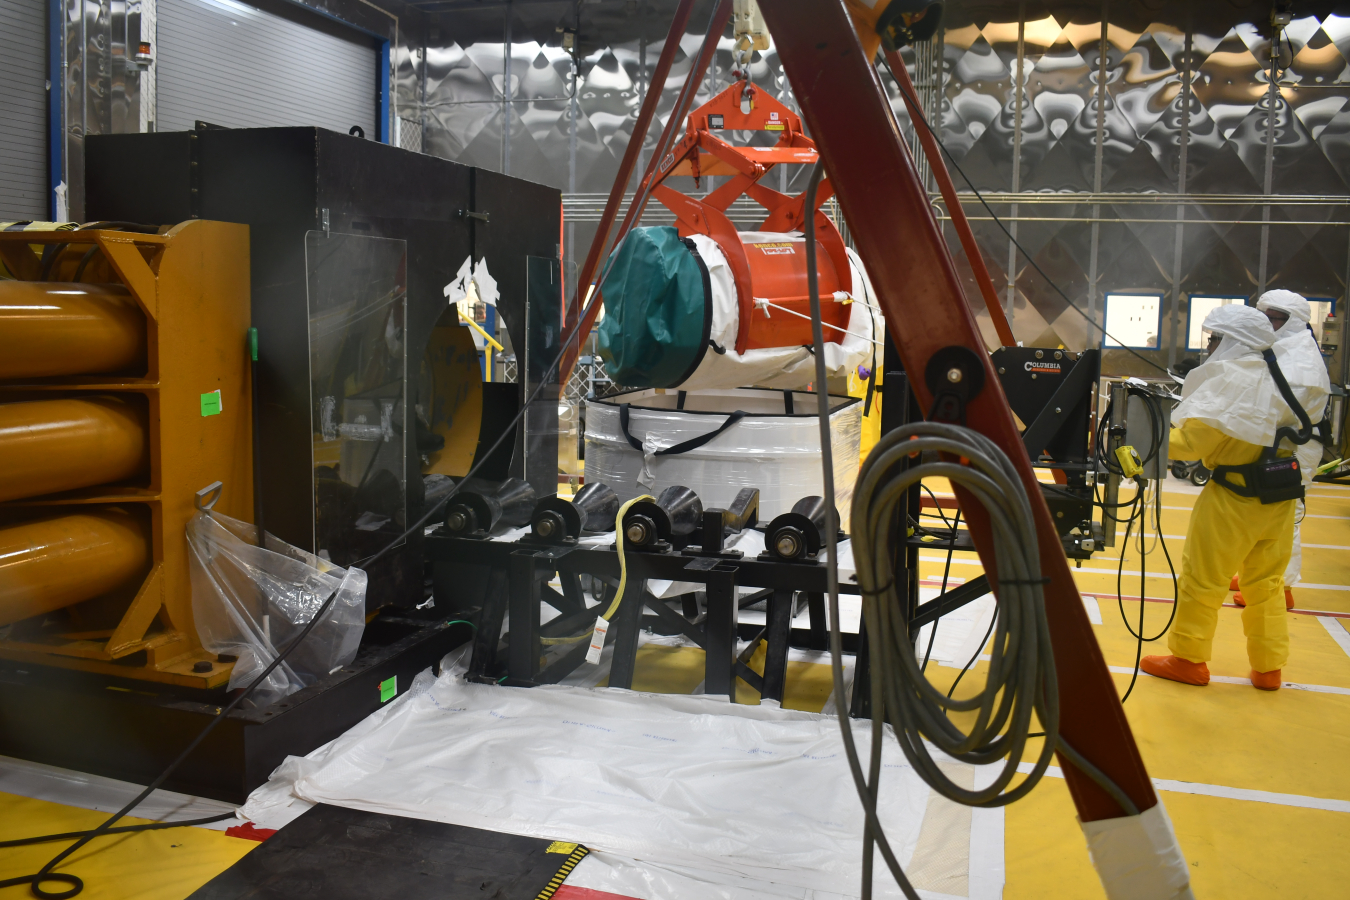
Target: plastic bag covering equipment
x=250 y=602
x=770 y=448
x=658 y=315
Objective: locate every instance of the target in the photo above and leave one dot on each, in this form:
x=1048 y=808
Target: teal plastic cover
x=655 y=329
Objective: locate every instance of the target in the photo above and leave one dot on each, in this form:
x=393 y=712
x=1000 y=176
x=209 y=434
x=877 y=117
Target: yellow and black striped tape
x=575 y=854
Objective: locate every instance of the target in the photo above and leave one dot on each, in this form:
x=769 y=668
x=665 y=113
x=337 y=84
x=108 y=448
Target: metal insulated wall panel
x=23 y=111
x=230 y=64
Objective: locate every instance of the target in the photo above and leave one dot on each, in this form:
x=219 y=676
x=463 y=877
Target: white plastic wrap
x=750 y=792
x=777 y=453
x=248 y=602
x=779 y=367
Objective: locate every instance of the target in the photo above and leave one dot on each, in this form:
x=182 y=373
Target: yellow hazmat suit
x=1230 y=534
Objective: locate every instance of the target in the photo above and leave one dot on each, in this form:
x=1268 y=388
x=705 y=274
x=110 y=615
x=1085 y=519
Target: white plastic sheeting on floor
x=747 y=795
x=71 y=788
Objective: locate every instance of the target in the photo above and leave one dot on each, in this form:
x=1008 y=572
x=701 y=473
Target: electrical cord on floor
x=45 y=874
x=122 y=829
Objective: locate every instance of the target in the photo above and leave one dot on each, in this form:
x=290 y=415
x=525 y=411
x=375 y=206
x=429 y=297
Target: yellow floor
x=152 y=865
x=1291 y=742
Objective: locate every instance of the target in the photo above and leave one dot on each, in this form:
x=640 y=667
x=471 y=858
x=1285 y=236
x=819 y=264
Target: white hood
x=1233 y=390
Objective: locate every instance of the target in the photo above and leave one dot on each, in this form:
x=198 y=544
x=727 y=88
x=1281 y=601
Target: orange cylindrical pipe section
x=58 y=445
x=68 y=328
x=62 y=560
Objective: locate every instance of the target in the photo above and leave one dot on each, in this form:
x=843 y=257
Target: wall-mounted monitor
x=1133 y=320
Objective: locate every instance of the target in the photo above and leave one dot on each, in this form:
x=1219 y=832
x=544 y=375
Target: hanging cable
x=916 y=114
x=1021 y=679
x=946 y=571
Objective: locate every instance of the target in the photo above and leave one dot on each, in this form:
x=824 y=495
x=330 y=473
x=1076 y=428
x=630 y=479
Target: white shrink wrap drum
x=773 y=446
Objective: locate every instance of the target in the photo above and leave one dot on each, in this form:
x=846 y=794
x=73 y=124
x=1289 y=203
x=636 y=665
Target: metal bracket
x=955 y=375
x=470 y=214
x=206 y=498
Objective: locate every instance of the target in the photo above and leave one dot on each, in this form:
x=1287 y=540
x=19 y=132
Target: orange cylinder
x=61 y=560
x=55 y=328
x=58 y=445
x=778 y=274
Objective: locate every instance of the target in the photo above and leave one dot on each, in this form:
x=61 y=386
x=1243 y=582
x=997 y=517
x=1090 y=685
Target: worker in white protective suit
x=1229 y=414
x=1301 y=362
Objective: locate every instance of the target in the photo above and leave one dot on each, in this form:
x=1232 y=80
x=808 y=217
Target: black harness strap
x=683 y=447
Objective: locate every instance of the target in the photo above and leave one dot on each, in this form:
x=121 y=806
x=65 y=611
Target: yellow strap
x=623 y=560
x=623 y=574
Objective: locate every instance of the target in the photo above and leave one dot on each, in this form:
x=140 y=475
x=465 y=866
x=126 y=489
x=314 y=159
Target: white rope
x=764 y=304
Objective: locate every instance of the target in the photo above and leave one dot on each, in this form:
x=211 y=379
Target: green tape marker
x=253 y=344
x=211 y=403
x=388 y=688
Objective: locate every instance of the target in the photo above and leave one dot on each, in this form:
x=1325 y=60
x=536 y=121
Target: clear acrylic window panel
x=1133 y=320
x=552 y=421
x=1201 y=305
x=358 y=384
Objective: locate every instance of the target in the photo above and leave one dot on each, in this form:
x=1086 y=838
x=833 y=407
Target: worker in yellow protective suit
x=1301 y=362
x=1228 y=415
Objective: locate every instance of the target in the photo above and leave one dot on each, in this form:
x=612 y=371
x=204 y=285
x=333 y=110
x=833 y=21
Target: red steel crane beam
x=898 y=237
x=721 y=15
x=959 y=222
x=630 y=153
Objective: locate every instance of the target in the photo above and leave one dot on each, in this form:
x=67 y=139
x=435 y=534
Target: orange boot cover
x=1174 y=668
x=1266 y=681
x=1288 y=599
x=1237 y=598
x=1233 y=585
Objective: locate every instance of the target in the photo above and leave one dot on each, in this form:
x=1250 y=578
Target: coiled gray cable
x=1021 y=678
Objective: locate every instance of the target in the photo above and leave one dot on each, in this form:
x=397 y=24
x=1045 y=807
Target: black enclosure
x=293 y=185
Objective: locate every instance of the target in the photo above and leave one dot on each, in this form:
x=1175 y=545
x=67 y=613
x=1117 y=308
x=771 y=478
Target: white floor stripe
x=1246 y=682
x=1094 y=611
x=1291 y=685
x=1326 y=546
x=1312 y=516
x=986 y=845
x=1337 y=631
x=1323 y=587
x=1229 y=793
x=958 y=561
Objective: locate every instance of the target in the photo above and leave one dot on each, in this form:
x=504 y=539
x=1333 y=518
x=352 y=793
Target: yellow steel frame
x=192 y=283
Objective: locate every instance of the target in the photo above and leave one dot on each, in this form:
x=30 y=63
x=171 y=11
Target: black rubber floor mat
x=332 y=853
